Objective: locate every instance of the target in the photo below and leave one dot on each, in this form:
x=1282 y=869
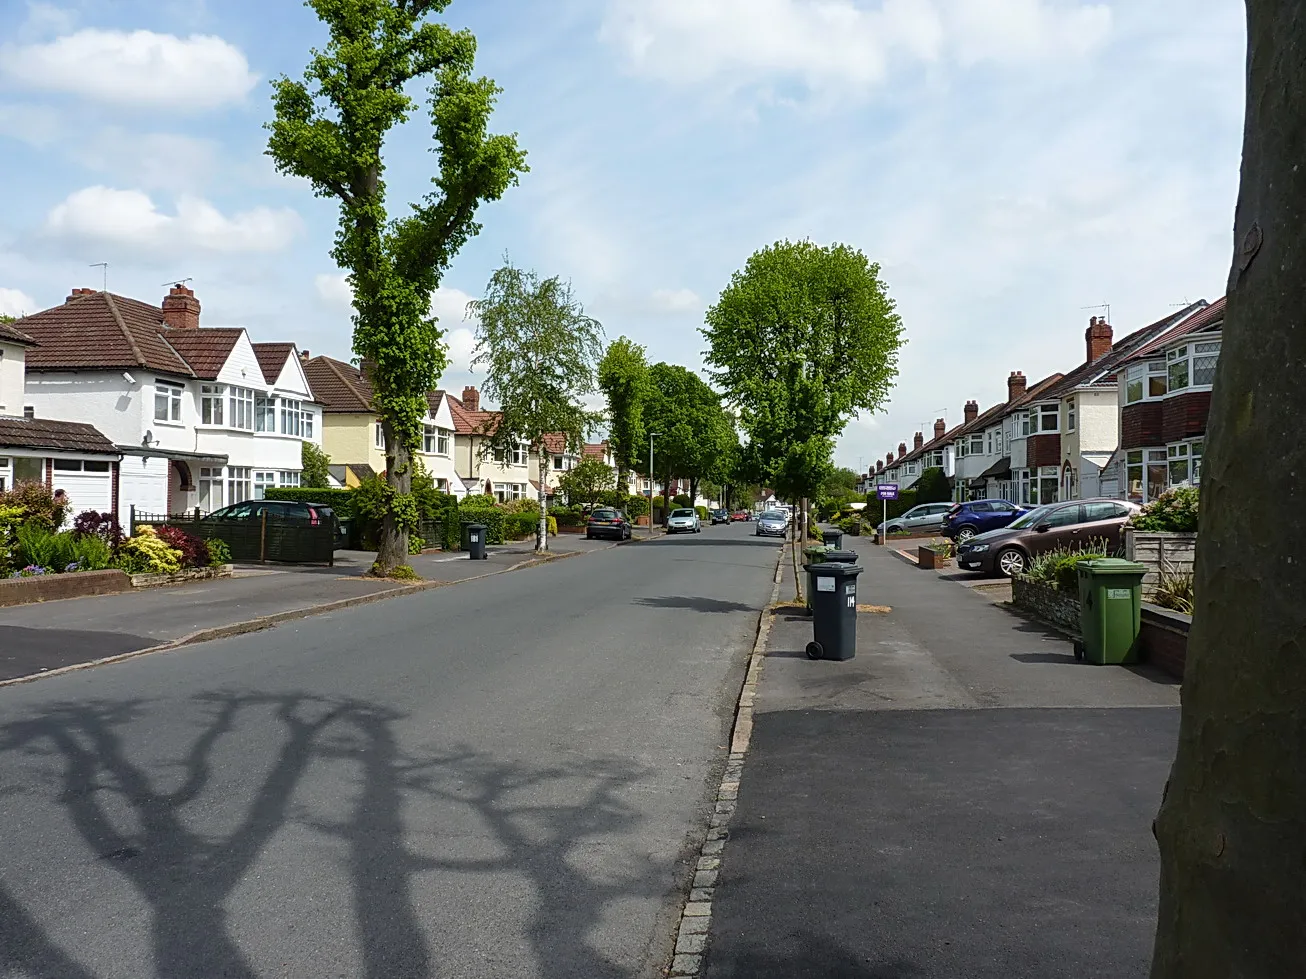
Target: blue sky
x=1007 y=162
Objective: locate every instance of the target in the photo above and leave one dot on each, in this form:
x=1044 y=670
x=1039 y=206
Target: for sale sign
x=887 y=491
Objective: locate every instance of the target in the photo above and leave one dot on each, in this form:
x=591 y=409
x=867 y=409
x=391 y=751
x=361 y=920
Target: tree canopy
x=588 y=481
x=695 y=436
x=626 y=385
x=330 y=128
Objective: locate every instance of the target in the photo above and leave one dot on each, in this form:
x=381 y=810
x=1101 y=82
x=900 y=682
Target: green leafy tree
x=540 y=352
x=694 y=433
x=589 y=480
x=802 y=338
x=330 y=128
x=315 y=465
x=933 y=487
x=1232 y=824
x=626 y=386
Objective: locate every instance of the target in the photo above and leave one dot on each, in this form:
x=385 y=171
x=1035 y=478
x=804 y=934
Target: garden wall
x=1059 y=607
x=75 y=584
x=1163 y=638
x=1173 y=553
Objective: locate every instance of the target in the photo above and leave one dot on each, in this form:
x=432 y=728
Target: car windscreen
x=682 y=513
x=773 y=515
x=604 y=515
x=1029 y=519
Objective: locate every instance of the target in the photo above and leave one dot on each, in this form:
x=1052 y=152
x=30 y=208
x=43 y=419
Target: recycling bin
x=833 y=538
x=834 y=611
x=474 y=540
x=841 y=557
x=812 y=554
x=1110 y=605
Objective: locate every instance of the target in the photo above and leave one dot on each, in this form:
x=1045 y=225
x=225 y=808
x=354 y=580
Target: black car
x=284 y=511
x=720 y=516
x=607 y=522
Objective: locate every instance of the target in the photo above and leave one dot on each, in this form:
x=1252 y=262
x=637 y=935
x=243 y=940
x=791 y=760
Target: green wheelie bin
x=1110 y=603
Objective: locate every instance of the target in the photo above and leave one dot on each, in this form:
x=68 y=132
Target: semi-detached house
x=201 y=416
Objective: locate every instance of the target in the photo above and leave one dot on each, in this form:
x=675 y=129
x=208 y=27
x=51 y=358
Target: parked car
x=607 y=522
x=925 y=516
x=720 y=516
x=974 y=517
x=684 y=521
x=1090 y=524
x=285 y=511
x=739 y=516
x=772 y=523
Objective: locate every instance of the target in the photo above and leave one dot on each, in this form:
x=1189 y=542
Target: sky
x=1009 y=164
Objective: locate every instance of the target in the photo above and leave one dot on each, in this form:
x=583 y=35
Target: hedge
x=491 y=516
x=703 y=515
x=339 y=500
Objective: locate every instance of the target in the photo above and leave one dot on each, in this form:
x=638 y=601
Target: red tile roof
x=596 y=450
x=471 y=422
x=338 y=386
x=272 y=358
x=44 y=433
x=206 y=350
x=100 y=330
x=14 y=335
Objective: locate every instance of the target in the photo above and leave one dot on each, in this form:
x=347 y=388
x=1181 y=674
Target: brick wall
x=1140 y=425
x=1184 y=415
x=1043 y=450
x=47 y=588
x=1163 y=639
x=1059 y=607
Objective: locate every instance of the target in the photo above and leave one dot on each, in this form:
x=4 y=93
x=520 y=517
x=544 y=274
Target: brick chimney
x=971 y=411
x=304 y=357
x=1097 y=339
x=365 y=366
x=879 y=466
x=78 y=293
x=1015 y=386
x=902 y=449
x=471 y=399
x=181 y=310
x=940 y=427
x=888 y=460
x=918 y=441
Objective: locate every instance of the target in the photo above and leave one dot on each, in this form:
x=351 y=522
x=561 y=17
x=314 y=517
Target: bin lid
x=475 y=526
x=841 y=557
x=831 y=570
x=1110 y=565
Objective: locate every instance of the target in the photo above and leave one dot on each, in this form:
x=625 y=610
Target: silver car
x=773 y=523
x=925 y=517
x=683 y=521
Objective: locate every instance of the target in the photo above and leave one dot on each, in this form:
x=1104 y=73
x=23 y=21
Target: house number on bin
x=475 y=538
x=825 y=584
x=1119 y=593
x=852 y=601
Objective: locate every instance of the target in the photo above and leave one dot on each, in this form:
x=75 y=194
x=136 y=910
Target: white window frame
x=504 y=492
x=240 y=408
x=1188 y=455
x=5 y=476
x=240 y=484
x=1020 y=426
x=289 y=478
x=1186 y=357
x=265 y=413
x=292 y=418
x=264 y=480
x=1043 y=413
x=210 y=485
x=997 y=441
x=559 y=462
x=171 y=393
x=1070 y=415
x=213 y=400
x=378 y=437
x=976 y=447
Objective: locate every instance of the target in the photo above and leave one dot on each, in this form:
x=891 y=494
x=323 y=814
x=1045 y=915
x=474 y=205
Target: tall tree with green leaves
x=1232 y=825
x=316 y=467
x=803 y=338
x=587 y=481
x=540 y=352
x=624 y=381
x=694 y=433
x=331 y=129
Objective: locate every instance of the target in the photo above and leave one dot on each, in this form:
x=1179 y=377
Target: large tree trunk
x=392 y=548
x=1232 y=826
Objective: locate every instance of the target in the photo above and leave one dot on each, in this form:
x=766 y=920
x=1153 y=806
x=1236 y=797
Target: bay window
x=1020 y=425
x=378 y=436
x=4 y=474
x=1146 y=381
x=1184 y=461
x=976 y=446
x=290 y=477
x=1044 y=418
x=1070 y=415
x=1043 y=486
x=435 y=440
x=263 y=481
x=1192 y=365
x=997 y=441
x=210 y=488
x=167 y=401
x=211 y=400
x=239 y=484
x=1146 y=474
x=504 y=492
x=515 y=456
x=265 y=413
x=292 y=417
x=988 y=442
x=240 y=409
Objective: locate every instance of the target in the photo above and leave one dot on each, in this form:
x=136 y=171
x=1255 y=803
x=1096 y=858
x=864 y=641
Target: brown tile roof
x=596 y=450
x=14 y=335
x=206 y=349
x=100 y=330
x=44 y=433
x=555 y=442
x=1004 y=408
x=471 y=422
x=338 y=386
x=1212 y=314
x=272 y=358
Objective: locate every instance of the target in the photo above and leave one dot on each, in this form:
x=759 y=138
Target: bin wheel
x=1079 y=651
x=814 y=650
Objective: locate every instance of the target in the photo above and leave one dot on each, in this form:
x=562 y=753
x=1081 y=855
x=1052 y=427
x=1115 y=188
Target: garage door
x=139 y=486
x=86 y=491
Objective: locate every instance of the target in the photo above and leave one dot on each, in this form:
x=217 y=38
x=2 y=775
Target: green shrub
x=339 y=500
x=1175 y=592
x=851 y=526
x=1171 y=512
x=682 y=500
x=91 y=552
x=896 y=508
x=636 y=506
x=703 y=515
x=219 y=552
x=39 y=545
x=415 y=544
x=36 y=505
x=933 y=486
x=522 y=505
x=520 y=526
x=1059 y=569
x=478 y=512
x=551 y=527
x=147 y=554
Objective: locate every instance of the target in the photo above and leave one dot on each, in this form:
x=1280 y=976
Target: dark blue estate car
x=966 y=520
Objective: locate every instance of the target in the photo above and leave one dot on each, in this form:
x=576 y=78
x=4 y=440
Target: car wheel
x=1011 y=562
x=893 y=530
x=965 y=535
x=589 y=536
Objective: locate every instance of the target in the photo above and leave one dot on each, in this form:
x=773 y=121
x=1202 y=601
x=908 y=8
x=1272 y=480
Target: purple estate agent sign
x=887 y=491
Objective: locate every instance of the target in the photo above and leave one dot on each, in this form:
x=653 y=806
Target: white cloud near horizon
x=131 y=218
x=134 y=68
x=15 y=302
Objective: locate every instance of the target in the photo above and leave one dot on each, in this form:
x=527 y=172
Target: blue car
x=974 y=517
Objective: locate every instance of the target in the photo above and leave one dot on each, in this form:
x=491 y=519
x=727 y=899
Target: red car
x=739 y=516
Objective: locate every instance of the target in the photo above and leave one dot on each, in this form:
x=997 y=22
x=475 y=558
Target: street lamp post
x=651 y=437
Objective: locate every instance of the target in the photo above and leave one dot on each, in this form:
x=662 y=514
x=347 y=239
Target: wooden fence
x=266 y=538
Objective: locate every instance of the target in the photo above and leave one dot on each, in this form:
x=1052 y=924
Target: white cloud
x=130 y=217
x=16 y=303
x=334 y=289
x=134 y=68
x=839 y=45
x=46 y=20
x=164 y=161
x=676 y=300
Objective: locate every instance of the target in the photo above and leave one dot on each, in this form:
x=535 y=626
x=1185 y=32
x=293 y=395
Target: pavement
x=963 y=798
x=508 y=778
x=47 y=636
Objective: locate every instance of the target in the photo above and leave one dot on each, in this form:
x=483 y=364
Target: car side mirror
x=1043 y=528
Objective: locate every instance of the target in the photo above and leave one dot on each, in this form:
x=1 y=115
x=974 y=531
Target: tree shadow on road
x=188 y=876
x=695 y=603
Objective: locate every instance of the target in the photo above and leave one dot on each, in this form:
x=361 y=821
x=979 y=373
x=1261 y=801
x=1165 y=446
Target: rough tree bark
x=1232 y=825
x=392 y=548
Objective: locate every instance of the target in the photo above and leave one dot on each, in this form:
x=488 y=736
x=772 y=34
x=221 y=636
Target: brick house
x=1163 y=396
x=937 y=453
x=201 y=416
x=984 y=447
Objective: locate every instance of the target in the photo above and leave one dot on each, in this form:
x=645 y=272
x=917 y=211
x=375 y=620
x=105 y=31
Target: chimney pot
x=304 y=356
x=940 y=427
x=918 y=440
x=1015 y=386
x=1097 y=339
x=471 y=398
x=971 y=411
x=902 y=449
x=181 y=310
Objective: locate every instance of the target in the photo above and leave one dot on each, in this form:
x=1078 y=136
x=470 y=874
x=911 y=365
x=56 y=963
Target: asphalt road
x=504 y=778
